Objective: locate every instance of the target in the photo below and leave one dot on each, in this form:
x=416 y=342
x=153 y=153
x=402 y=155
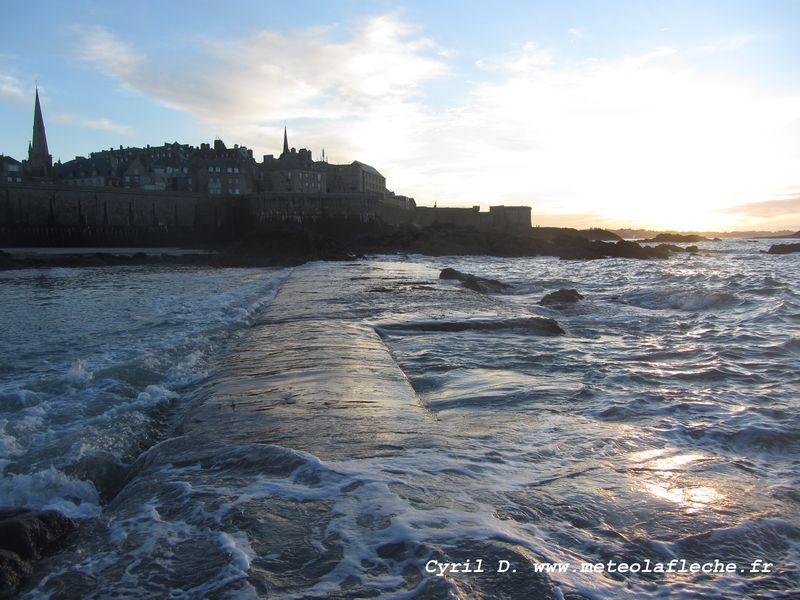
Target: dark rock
x=572 y=248
x=677 y=249
x=783 y=248
x=594 y=234
x=12 y=571
x=477 y=284
x=670 y=248
x=25 y=535
x=529 y=325
x=6 y=260
x=562 y=296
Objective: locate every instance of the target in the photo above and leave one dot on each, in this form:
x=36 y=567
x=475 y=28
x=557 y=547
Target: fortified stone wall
x=72 y=215
x=503 y=218
x=32 y=213
x=270 y=208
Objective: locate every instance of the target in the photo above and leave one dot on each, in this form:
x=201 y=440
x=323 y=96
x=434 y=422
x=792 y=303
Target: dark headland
x=334 y=241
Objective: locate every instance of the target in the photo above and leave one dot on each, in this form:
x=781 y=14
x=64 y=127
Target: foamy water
x=662 y=426
x=92 y=361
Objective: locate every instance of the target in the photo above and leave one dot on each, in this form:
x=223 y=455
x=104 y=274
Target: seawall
x=66 y=215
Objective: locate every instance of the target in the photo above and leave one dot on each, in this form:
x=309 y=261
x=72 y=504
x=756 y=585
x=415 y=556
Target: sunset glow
x=642 y=121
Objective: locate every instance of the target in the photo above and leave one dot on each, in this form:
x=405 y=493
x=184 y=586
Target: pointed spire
x=285 y=141
x=39 y=160
x=39 y=136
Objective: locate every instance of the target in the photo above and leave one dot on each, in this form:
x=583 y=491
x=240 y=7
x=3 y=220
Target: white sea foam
x=8 y=443
x=140 y=336
x=661 y=426
x=50 y=489
x=78 y=373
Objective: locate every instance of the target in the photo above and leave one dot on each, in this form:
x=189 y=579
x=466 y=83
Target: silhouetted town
x=178 y=193
x=290 y=205
x=209 y=168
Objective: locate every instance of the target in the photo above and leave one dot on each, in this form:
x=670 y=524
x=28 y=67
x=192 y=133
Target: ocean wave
x=684 y=300
x=50 y=489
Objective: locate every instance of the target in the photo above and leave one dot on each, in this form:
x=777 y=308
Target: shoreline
x=293 y=248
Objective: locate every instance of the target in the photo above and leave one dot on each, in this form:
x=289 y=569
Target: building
x=399 y=201
x=218 y=169
x=10 y=170
x=355 y=177
x=293 y=171
x=97 y=171
x=157 y=168
x=40 y=162
x=211 y=169
x=507 y=218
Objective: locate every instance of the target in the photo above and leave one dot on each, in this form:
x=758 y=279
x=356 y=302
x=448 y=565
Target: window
x=210 y=169
x=13 y=168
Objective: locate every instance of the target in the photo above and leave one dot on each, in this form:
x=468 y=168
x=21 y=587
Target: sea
x=363 y=429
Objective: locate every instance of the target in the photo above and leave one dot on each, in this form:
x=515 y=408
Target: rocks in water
x=677 y=249
x=562 y=296
x=783 y=248
x=25 y=535
x=12 y=571
x=529 y=325
x=678 y=237
x=572 y=248
x=477 y=284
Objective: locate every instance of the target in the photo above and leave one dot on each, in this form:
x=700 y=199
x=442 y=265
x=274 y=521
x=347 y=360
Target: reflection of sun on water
x=692 y=497
x=667 y=478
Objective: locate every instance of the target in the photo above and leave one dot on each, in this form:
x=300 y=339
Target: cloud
x=767 y=209
x=85 y=123
x=97 y=46
x=530 y=56
x=638 y=139
x=577 y=33
x=729 y=43
x=10 y=88
x=271 y=76
x=642 y=139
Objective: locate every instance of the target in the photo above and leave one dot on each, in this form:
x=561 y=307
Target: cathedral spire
x=285 y=141
x=39 y=160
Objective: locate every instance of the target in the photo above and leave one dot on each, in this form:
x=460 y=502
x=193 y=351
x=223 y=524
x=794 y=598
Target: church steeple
x=285 y=142
x=40 y=162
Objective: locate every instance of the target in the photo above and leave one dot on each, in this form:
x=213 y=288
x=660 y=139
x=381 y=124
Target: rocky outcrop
x=572 y=248
x=527 y=325
x=678 y=249
x=477 y=284
x=317 y=242
x=562 y=296
x=594 y=234
x=678 y=237
x=783 y=248
x=25 y=536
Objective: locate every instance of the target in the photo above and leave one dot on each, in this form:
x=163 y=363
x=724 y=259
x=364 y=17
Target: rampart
x=45 y=214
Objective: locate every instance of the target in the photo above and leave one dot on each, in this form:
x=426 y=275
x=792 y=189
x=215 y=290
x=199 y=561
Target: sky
x=661 y=114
